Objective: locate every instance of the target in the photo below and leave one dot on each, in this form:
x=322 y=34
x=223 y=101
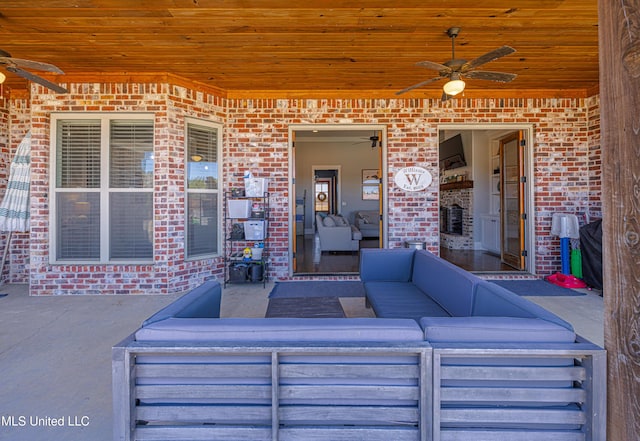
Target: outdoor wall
x=255 y=138
x=563 y=159
x=169 y=272
x=18 y=123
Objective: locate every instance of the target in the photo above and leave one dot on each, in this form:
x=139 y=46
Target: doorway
x=328 y=164
x=497 y=234
x=325 y=189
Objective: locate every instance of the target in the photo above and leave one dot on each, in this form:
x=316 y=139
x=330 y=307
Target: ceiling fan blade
x=36 y=79
x=499 y=77
x=28 y=64
x=415 y=86
x=489 y=56
x=444 y=70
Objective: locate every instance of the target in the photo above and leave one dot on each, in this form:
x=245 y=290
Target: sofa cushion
x=494 y=330
x=386 y=265
x=281 y=330
x=451 y=286
x=401 y=300
x=494 y=300
x=339 y=220
x=203 y=301
x=329 y=222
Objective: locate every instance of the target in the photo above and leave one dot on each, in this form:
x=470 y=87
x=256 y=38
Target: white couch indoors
x=336 y=234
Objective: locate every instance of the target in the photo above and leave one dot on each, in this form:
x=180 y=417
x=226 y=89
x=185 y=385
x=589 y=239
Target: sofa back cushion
x=450 y=286
x=386 y=265
x=203 y=301
x=282 y=330
x=494 y=330
x=494 y=300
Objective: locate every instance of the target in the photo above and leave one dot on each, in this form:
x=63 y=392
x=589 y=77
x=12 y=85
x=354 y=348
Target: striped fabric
x=14 y=209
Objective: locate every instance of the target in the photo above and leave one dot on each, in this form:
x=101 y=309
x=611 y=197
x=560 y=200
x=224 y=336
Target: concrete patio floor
x=55 y=352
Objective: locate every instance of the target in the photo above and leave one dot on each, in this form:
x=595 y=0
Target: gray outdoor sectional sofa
x=472 y=362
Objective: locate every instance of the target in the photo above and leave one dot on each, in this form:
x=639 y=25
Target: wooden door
x=512 y=200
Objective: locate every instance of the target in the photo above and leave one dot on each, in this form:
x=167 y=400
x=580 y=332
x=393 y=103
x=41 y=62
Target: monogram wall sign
x=413 y=178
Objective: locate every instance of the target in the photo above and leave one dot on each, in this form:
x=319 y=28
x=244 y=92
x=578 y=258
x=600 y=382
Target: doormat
x=536 y=287
x=318 y=288
x=305 y=307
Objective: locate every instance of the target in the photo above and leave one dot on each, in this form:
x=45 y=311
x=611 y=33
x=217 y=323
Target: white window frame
x=218 y=127
x=104 y=190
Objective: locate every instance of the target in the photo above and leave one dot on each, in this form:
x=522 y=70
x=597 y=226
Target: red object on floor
x=566 y=281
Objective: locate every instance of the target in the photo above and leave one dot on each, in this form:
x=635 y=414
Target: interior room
x=474 y=229
x=336 y=173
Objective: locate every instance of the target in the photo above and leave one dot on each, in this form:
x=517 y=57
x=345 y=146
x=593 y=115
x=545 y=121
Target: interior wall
x=352 y=155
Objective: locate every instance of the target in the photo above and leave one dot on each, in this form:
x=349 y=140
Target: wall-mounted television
x=452 y=153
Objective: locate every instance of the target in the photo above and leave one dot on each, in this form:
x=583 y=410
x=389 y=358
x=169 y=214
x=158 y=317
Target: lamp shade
x=454 y=87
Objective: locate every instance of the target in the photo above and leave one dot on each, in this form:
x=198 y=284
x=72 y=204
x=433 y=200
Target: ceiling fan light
x=454 y=87
x=2 y=77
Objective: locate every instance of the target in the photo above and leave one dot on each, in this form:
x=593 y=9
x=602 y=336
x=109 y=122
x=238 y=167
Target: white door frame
x=529 y=196
x=347 y=128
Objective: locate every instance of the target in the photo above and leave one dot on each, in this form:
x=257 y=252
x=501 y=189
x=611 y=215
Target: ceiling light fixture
x=196 y=158
x=454 y=86
x=2 y=77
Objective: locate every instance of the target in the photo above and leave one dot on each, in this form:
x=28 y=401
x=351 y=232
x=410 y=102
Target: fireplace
x=451 y=219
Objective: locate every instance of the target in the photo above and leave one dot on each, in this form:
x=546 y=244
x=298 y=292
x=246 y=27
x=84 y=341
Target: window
x=103 y=188
x=202 y=188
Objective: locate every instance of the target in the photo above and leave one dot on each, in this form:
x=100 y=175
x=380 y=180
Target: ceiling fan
x=457 y=69
x=16 y=65
x=374 y=139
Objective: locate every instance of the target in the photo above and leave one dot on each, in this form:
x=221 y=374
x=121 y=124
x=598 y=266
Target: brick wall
x=563 y=154
x=17 y=122
x=170 y=272
x=255 y=139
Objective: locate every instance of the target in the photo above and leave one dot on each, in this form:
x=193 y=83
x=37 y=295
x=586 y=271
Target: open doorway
x=486 y=196
x=333 y=169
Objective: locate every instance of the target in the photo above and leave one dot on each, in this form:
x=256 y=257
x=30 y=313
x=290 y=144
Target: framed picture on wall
x=370 y=193
x=370 y=177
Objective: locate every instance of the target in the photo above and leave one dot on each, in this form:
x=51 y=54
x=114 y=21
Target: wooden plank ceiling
x=289 y=48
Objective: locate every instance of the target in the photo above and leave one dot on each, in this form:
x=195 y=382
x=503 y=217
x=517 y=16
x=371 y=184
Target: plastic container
x=415 y=244
x=255 y=187
x=239 y=208
x=254 y=230
x=256 y=272
x=256 y=253
x=238 y=273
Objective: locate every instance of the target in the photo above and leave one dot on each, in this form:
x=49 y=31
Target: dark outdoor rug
x=310 y=288
x=536 y=287
x=305 y=307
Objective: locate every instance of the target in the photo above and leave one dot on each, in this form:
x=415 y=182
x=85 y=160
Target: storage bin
x=256 y=253
x=238 y=272
x=254 y=230
x=239 y=208
x=256 y=272
x=255 y=187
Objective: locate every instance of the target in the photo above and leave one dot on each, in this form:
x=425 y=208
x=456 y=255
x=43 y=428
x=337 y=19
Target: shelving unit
x=253 y=214
x=490 y=223
x=495 y=180
x=301 y=210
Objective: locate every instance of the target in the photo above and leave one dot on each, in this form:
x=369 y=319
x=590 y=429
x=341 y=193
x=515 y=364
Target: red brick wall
x=17 y=122
x=563 y=158
x=255 y=138
x=170 y=272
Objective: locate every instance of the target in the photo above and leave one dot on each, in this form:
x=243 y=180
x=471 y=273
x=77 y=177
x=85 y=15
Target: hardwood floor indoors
x=475 y=260
x=310 y=260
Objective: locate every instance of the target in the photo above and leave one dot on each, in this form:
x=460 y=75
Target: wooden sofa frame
x=432 y=411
